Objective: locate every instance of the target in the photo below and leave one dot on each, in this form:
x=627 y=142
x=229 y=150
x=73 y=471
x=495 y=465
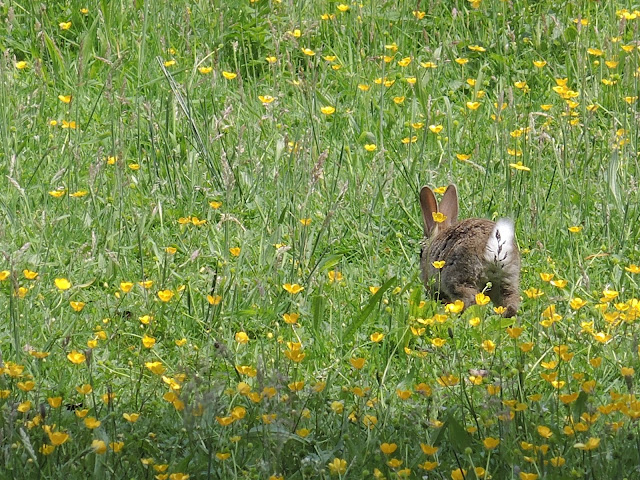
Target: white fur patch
x=501 y=243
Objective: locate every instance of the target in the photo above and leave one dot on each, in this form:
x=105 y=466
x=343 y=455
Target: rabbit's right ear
x=449 y=205
x=429 y=206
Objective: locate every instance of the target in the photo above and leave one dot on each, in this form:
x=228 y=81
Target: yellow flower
x=627 y=371
x=482 y=299
x=335 y=276
x=71 y=124
x=546 y=277
x=247 y=370
x=577 y=303
x=596 y=52
x=544 y=431
x=229 y=75
x=58 y=193
x=455 y=307
x=26 y=386
x=514 y=332
x=85 y=389
x=602 y=337
x=357 y=362
x=64 y=25
x=156 y=367
x=491 y=443
x=633 y=268
x=528 y=476
x=91 y=423
x=338 y=465
x=568 y=398
x=165 y=295
x=116 y=446
x=242 y=337
x=377 y=337
x=178 y=476
x=398 y=100
x=295 y=354
x=76 y=357
x=266 y=99
x=205 y=70
x=388 y=448
x=214 y=299
x=62 y=283
x=77 y=306
x=473 y=105
x=559 y=283
x=489 y=346
x=46 y=449
x=271 y=59
x=169 y=63
x=458 y=474
x=308 y=52
x=328 y=110
x=131 y=417
x=448 y=380
x=343 y=8
x=29 y=275
x=57 y=438
x=438 y=264
x=477 y=48
x=463 y=157
x=438 y=217
x=235 y=251
x=79 y=193
x=591 y=444
x=539 y=63
x=148 y=341
x=293 y=288
x=21 y=65
x=519 y=166
x=296 y=386
x=291 y=318
x=370 y=147
x=305 y=221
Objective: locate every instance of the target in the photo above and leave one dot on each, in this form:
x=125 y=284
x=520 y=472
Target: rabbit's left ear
x=449 y=205
x=429 y=206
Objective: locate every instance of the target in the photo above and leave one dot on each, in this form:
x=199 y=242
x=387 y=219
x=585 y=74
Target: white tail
x=500 y=247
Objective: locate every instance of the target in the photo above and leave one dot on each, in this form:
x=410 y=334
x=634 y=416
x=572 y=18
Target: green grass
x=253 y=196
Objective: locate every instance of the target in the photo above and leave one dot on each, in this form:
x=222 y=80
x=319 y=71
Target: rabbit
x=475 y=251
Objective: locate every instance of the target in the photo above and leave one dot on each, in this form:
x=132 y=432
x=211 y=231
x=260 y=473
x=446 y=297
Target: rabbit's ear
x=429 y=206
x=449 y=205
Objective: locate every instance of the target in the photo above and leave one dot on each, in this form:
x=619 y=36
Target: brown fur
x=462 y=245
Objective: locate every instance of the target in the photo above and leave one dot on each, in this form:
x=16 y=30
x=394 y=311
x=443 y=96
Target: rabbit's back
x=469 y=236
x=462 y=247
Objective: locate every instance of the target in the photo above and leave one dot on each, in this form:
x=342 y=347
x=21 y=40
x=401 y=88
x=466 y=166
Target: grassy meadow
x=210 y=236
